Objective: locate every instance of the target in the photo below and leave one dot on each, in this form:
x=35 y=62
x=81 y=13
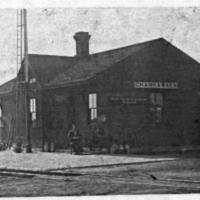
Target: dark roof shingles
x=51 y=70
x=95 y=63
x=8 y=87
x=46 y=67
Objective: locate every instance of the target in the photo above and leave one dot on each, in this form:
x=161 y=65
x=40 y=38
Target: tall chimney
x=82 y=44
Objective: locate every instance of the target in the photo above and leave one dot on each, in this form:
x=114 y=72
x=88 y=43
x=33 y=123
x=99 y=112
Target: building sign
x=156 y=85
x=128 y=100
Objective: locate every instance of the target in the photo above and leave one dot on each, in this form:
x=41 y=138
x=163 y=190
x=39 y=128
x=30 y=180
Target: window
x=33 y=109
x=1 y=115
x=93 y=106
x=33 y=80
x=0 y=111
x=158 y=114
x=156 y=101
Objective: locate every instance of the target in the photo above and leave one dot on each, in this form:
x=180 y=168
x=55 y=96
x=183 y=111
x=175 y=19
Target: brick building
x=145 y=95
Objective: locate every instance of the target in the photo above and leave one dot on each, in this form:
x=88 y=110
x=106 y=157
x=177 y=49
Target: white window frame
x=1 y=117
x=33 y=109
x=93 y=106
x=1 y=111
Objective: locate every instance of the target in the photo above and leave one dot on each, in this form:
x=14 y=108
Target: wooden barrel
x=52 y=147
x=46 y=147
x=17 y=147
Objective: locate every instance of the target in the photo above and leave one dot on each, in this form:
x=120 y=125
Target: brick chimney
x=82 y=44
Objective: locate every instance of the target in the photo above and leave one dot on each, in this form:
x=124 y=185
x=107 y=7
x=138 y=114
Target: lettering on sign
x=156 y=85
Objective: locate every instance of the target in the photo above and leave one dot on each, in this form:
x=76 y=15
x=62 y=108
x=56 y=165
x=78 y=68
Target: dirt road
x=171 y=177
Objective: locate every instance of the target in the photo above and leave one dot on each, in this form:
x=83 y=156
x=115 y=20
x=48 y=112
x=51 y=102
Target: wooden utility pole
x=26 y=84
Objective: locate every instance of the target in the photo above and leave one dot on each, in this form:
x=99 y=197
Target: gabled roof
x=46 y=67
x=87 y=68
x=56 y=71
x=8 y=87
x=51 y=70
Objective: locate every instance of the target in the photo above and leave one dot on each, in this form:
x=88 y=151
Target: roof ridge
x=7 y=82
x=132 y=45
x=48 y=68
x=101 y=52
x=7 y=87
x=49 y=55
x=95 y=56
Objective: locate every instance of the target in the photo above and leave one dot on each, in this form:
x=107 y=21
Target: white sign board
x=156 y=85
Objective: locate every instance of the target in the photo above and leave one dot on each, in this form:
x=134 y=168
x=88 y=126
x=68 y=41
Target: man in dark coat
x=74 y=140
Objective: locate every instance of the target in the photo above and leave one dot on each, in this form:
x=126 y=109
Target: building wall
x=125 y=123
x=14 y=129
x=8 y=114
x=61 y=108
x=134 y=123
x=36 y=125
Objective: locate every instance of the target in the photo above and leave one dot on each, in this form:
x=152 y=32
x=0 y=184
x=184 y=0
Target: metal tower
x=22 y=80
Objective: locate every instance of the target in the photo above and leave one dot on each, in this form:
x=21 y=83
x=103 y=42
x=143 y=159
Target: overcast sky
x=50 y=31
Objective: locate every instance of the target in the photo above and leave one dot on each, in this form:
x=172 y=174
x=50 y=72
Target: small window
x=156 y=103
x=33 y=80
x=158 y=114
x=156 y=99
x=33 y=109
x=93 y=106
x=1 y=112
x=1 y=115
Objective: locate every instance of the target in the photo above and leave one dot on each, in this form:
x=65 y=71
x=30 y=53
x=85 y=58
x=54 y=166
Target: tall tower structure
x=22 y=80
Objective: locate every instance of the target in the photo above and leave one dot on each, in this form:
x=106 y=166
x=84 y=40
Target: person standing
x=74 y=140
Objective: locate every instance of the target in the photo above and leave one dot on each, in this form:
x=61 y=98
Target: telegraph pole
x=26 y=84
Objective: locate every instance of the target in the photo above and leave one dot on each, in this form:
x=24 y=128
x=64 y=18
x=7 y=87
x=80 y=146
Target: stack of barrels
x=49 y=147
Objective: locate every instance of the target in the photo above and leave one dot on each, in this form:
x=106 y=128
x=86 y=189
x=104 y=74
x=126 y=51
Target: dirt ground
x=165 y=177
x=57 y=160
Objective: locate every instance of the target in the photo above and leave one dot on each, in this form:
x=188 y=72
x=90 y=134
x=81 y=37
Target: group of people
x=97 y=137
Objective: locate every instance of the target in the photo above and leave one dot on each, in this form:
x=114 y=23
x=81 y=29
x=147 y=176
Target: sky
x=51 y=31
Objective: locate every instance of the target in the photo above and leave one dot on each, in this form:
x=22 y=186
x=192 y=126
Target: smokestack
x=82 y=44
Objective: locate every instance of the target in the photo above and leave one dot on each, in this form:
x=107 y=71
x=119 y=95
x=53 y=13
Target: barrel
x=52 y=147
x=46 y=147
